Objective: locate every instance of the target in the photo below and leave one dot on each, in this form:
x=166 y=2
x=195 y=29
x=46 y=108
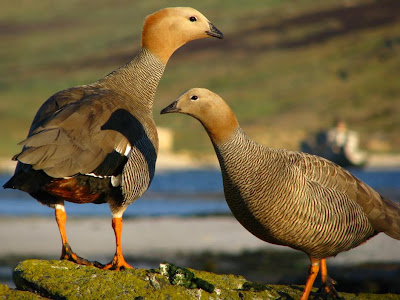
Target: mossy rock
x=7 y=293
x=66 y=280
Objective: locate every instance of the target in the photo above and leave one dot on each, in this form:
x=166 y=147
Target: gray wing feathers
x=71 y=140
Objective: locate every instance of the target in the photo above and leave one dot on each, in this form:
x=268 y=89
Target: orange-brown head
x=210 y=109
x=168 y=29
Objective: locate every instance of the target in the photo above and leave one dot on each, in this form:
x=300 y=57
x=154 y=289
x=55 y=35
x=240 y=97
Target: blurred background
x=288 y=69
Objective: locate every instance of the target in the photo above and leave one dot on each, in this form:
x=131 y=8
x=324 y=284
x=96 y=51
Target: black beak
x=170 y=108
x=214 y=32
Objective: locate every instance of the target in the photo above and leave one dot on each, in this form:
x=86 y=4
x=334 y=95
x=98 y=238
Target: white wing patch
x=95 y=175
x=116 y=180
x=124 y=149
x=127 y=150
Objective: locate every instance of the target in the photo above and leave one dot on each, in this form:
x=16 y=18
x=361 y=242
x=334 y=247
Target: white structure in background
x=165 y=139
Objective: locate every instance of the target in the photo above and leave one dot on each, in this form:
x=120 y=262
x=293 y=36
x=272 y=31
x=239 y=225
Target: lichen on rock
x=184 y=277
x=66 y=280
x=10 y=294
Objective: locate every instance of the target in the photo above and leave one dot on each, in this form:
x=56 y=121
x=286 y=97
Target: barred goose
x=290 y=198
x=98 y=143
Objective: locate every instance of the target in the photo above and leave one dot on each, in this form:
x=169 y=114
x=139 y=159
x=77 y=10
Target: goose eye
x=194 y=97
x=193 y=19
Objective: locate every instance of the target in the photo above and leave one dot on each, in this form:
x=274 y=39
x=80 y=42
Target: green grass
x=287 y=68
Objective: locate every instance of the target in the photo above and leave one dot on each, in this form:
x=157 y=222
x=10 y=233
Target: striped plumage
x=290 y=198
x=296 y=211
x=98 y=143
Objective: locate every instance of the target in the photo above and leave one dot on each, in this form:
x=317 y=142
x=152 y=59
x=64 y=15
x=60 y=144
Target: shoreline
x=93 y=238
x=169 y=161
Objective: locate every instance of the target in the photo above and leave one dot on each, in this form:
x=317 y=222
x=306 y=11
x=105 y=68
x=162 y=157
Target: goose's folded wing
x=93 y=135
x=383 y=214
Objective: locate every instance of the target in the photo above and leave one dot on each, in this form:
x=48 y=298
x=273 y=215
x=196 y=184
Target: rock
x=66 y=280
x=7 y=293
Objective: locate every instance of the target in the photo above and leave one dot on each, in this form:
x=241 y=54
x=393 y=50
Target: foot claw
x=70 y=255
x=327 y=290
x=117 y=265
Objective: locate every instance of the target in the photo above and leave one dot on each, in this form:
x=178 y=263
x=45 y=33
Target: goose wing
x=383 y=214
x=93 y=135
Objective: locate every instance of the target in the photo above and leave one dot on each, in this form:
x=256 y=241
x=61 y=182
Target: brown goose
x=290 y=198
x=98 y=143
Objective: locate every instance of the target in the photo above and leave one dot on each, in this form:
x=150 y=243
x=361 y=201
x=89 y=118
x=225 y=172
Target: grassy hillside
x=287 y=68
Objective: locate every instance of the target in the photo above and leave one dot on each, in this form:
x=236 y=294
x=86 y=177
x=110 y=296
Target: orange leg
x=327 y=282
x=118 y=262
x=314 y=269
x=66 y=252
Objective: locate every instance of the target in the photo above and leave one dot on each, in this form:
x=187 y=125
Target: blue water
x=175 y=193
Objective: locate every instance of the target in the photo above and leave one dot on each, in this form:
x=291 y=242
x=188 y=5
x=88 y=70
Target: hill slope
x=286 y=69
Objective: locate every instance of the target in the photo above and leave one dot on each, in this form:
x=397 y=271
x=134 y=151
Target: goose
x=290 y=198
x=98 y=143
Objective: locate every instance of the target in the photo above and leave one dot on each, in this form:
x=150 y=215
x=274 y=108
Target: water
x=176 y=193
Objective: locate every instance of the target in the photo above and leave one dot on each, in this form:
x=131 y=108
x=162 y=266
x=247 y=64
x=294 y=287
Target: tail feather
x=392 y=211
x=30 y=182
x=9 y=184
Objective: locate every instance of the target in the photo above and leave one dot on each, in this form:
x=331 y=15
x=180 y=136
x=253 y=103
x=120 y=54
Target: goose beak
x=170 y=108
x=214 y=32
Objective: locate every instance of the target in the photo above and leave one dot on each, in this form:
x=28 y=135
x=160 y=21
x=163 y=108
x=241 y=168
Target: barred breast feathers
x=138 y=79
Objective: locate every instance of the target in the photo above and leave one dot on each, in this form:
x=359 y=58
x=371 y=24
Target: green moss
x=63 y=279
x=254 y=286
x=66 y=280
x=7 y=293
